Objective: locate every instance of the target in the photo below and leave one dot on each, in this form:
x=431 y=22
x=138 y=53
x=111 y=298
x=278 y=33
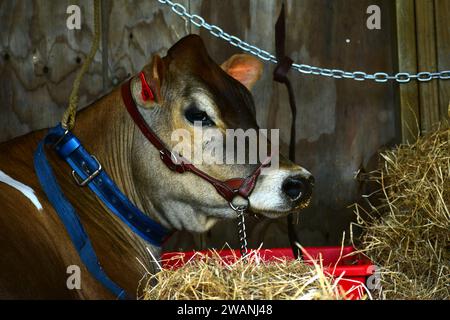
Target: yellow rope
x=68 y=119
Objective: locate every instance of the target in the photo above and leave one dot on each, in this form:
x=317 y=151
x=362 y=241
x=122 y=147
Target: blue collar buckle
x=88 y=171
x=83 y=183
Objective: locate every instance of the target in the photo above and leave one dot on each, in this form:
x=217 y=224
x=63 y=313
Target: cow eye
x=194 y=114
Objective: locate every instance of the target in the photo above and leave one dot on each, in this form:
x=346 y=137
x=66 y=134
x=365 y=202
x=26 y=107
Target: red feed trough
x=353 y=269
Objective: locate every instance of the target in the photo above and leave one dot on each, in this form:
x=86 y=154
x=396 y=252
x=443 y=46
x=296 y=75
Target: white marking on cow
x=267 y=194
x=24 y=189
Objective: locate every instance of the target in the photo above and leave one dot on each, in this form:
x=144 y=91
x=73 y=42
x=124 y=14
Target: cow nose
x=298 y=188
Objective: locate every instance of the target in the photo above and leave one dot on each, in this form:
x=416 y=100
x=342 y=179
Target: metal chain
x=242 y=232
x=401 y=77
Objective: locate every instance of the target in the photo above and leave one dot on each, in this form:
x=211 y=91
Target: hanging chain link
x=401 y=77
x=242 y=232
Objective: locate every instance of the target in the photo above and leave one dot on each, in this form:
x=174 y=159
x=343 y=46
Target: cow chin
x=281 y=212
x=203 y=219
x=183 y=216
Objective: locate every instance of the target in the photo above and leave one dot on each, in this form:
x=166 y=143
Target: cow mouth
x=303 y=204
x=274 y=214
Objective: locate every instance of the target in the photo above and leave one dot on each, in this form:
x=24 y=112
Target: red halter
x=228 y=189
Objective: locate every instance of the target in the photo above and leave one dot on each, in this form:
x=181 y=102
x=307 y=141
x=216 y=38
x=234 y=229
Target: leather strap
x=280 y=75
x=228 y=189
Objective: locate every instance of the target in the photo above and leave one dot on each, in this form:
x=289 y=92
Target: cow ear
x=244 y=68
x=148 y=83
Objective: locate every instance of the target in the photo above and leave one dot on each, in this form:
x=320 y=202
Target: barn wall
x=38 y=63
x=40 y=56
x=423 y=39
x=341 y=123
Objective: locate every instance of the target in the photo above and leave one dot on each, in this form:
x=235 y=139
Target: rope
x=68 y=119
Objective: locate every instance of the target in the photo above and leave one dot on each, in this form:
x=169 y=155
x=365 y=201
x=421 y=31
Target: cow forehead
x=192 y=69
x=188 y=51
x=231 y=99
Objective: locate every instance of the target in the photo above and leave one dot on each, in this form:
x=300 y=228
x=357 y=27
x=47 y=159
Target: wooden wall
x=423 y=39
x=341 y=123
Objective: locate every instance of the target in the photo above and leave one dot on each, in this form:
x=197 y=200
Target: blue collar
x=87 y=171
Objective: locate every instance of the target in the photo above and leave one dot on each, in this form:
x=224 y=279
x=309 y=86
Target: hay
x=209 y=277
x=408 y=234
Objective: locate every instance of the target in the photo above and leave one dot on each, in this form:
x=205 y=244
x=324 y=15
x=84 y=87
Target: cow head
x=191 y=90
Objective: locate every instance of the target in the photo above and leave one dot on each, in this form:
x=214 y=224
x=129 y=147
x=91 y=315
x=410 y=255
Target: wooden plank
x=105 y=7
x=407 y=61
x=341 y=123
x=442 y=12
x=137 y=30
x=39 y=56
x=39 y=60
x=426 y=56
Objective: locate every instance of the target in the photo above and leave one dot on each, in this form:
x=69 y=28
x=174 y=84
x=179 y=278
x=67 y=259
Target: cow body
x=35 y=249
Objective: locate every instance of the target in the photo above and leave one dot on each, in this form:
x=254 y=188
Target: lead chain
x=242 y=232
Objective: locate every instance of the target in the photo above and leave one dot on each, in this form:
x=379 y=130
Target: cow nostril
x=298 y=188
x=293 y=188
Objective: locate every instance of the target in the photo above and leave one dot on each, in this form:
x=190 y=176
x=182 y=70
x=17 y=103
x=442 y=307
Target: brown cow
x=35 y=250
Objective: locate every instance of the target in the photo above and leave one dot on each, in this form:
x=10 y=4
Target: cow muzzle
x=281 y=192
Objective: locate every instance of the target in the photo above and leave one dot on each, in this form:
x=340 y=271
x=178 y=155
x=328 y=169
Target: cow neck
x=88 y=172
